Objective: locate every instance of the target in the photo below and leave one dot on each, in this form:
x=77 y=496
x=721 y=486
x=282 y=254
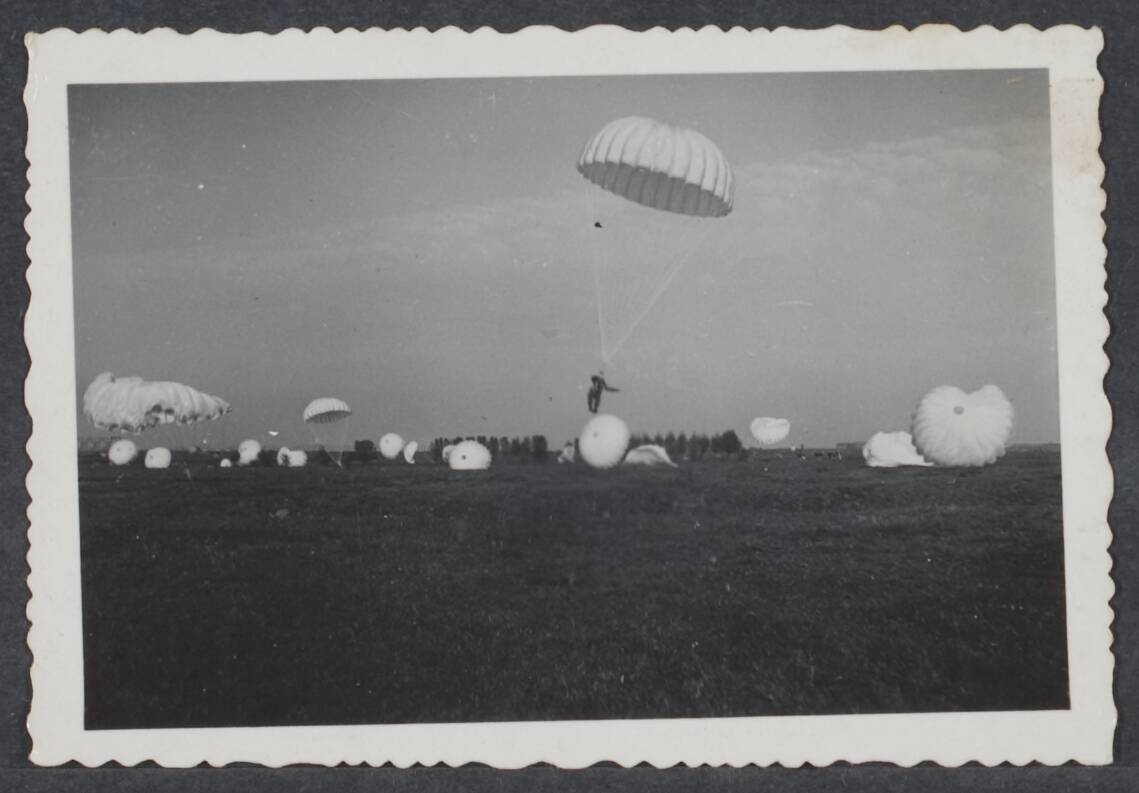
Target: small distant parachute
x=409 y=452
x=327 y=420
x=326 y=410
x=248 y=451
x=158 y=457
x=122 y=452
x=660 y=166
x=226 y=463
x=391 y=445
x=770 y=431
x=469 y=456
x=891 y=450
x=649 y=454
x=131 y=404
x=951 y=427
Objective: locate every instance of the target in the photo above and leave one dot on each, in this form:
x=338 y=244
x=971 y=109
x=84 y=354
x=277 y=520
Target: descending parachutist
x=593 y=399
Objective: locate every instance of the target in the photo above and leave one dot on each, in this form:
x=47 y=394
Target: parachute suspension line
x=681 y=263
x=595 y=261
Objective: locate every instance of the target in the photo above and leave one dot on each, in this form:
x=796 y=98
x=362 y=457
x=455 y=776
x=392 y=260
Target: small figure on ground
x=598 y=385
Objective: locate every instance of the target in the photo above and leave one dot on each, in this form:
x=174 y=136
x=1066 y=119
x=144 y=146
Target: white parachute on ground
x=297 y=458
x=248 y=451
x=158 y=457
x=226 y=463
x=283 y=456
x=122 y=452
x=469 y=456
x=327 y=420
x=409 y=452
x=891 y=450
x=131 y=404
x=447 y=451
x=568 y=453
x=391 y=445
x=951 y=427
x=603 y=441
x=769 y=431
x=649 y=454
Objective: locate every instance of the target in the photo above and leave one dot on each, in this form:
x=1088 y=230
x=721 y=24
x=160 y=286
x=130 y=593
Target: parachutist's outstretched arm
x=611 y=388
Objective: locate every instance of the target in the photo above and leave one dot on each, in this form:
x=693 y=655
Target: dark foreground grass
x=399 y=594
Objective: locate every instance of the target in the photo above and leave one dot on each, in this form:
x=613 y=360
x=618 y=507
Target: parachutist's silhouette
x=598 y=385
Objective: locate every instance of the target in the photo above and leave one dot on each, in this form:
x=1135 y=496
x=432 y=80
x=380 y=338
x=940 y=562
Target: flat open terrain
x=391 y=593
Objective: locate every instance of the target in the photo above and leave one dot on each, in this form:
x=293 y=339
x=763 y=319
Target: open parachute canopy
x=132 y=404
x=326 y=410
x=659 y=165
x=769 y=431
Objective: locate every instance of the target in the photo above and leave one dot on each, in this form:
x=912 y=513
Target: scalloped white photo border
x=1082 y=734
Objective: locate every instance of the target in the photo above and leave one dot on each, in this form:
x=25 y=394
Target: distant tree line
x=692 y=447
x=530 y=448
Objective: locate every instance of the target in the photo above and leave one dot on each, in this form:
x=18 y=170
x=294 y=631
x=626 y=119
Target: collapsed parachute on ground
x=226 y=463
x=603 y=441
x=248 y=451
x=469 y=456
x=660 y=166
x=391 y=445
x=891 y=450
x=131 y=404
x=649 y=454
x=770 y=431
x=297 y=458
x=450 y=447
x=409 y=452
x=951 y=427
x=122 y=452
x=158 y=457
x=283 y=456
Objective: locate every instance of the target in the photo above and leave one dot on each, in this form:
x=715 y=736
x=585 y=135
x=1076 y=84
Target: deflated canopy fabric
x=951 y=427
x=248 y=451
x=409 y=452
x=891 y=450
x=660 y=166
x=649 y=454
x=769 y=431
x=326 y=410
x=132 y=404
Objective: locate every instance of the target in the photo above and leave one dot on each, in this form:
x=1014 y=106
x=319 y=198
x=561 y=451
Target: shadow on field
x=387 y=594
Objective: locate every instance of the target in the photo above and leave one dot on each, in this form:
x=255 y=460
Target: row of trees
x=692 y=447
x=532 y=447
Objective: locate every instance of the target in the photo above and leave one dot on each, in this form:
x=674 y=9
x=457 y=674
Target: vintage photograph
x=567 y=398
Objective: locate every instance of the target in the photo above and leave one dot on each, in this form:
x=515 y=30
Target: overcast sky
x=425 y=250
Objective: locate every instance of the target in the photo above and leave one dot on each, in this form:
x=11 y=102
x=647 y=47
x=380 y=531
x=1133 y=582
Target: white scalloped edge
x=1082 y=734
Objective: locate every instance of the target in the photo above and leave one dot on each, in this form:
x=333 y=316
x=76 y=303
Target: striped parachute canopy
x=659 y=166
x=326 y=410
x=132 y=404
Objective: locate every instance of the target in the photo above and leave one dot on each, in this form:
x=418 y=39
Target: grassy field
x=396 y=594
